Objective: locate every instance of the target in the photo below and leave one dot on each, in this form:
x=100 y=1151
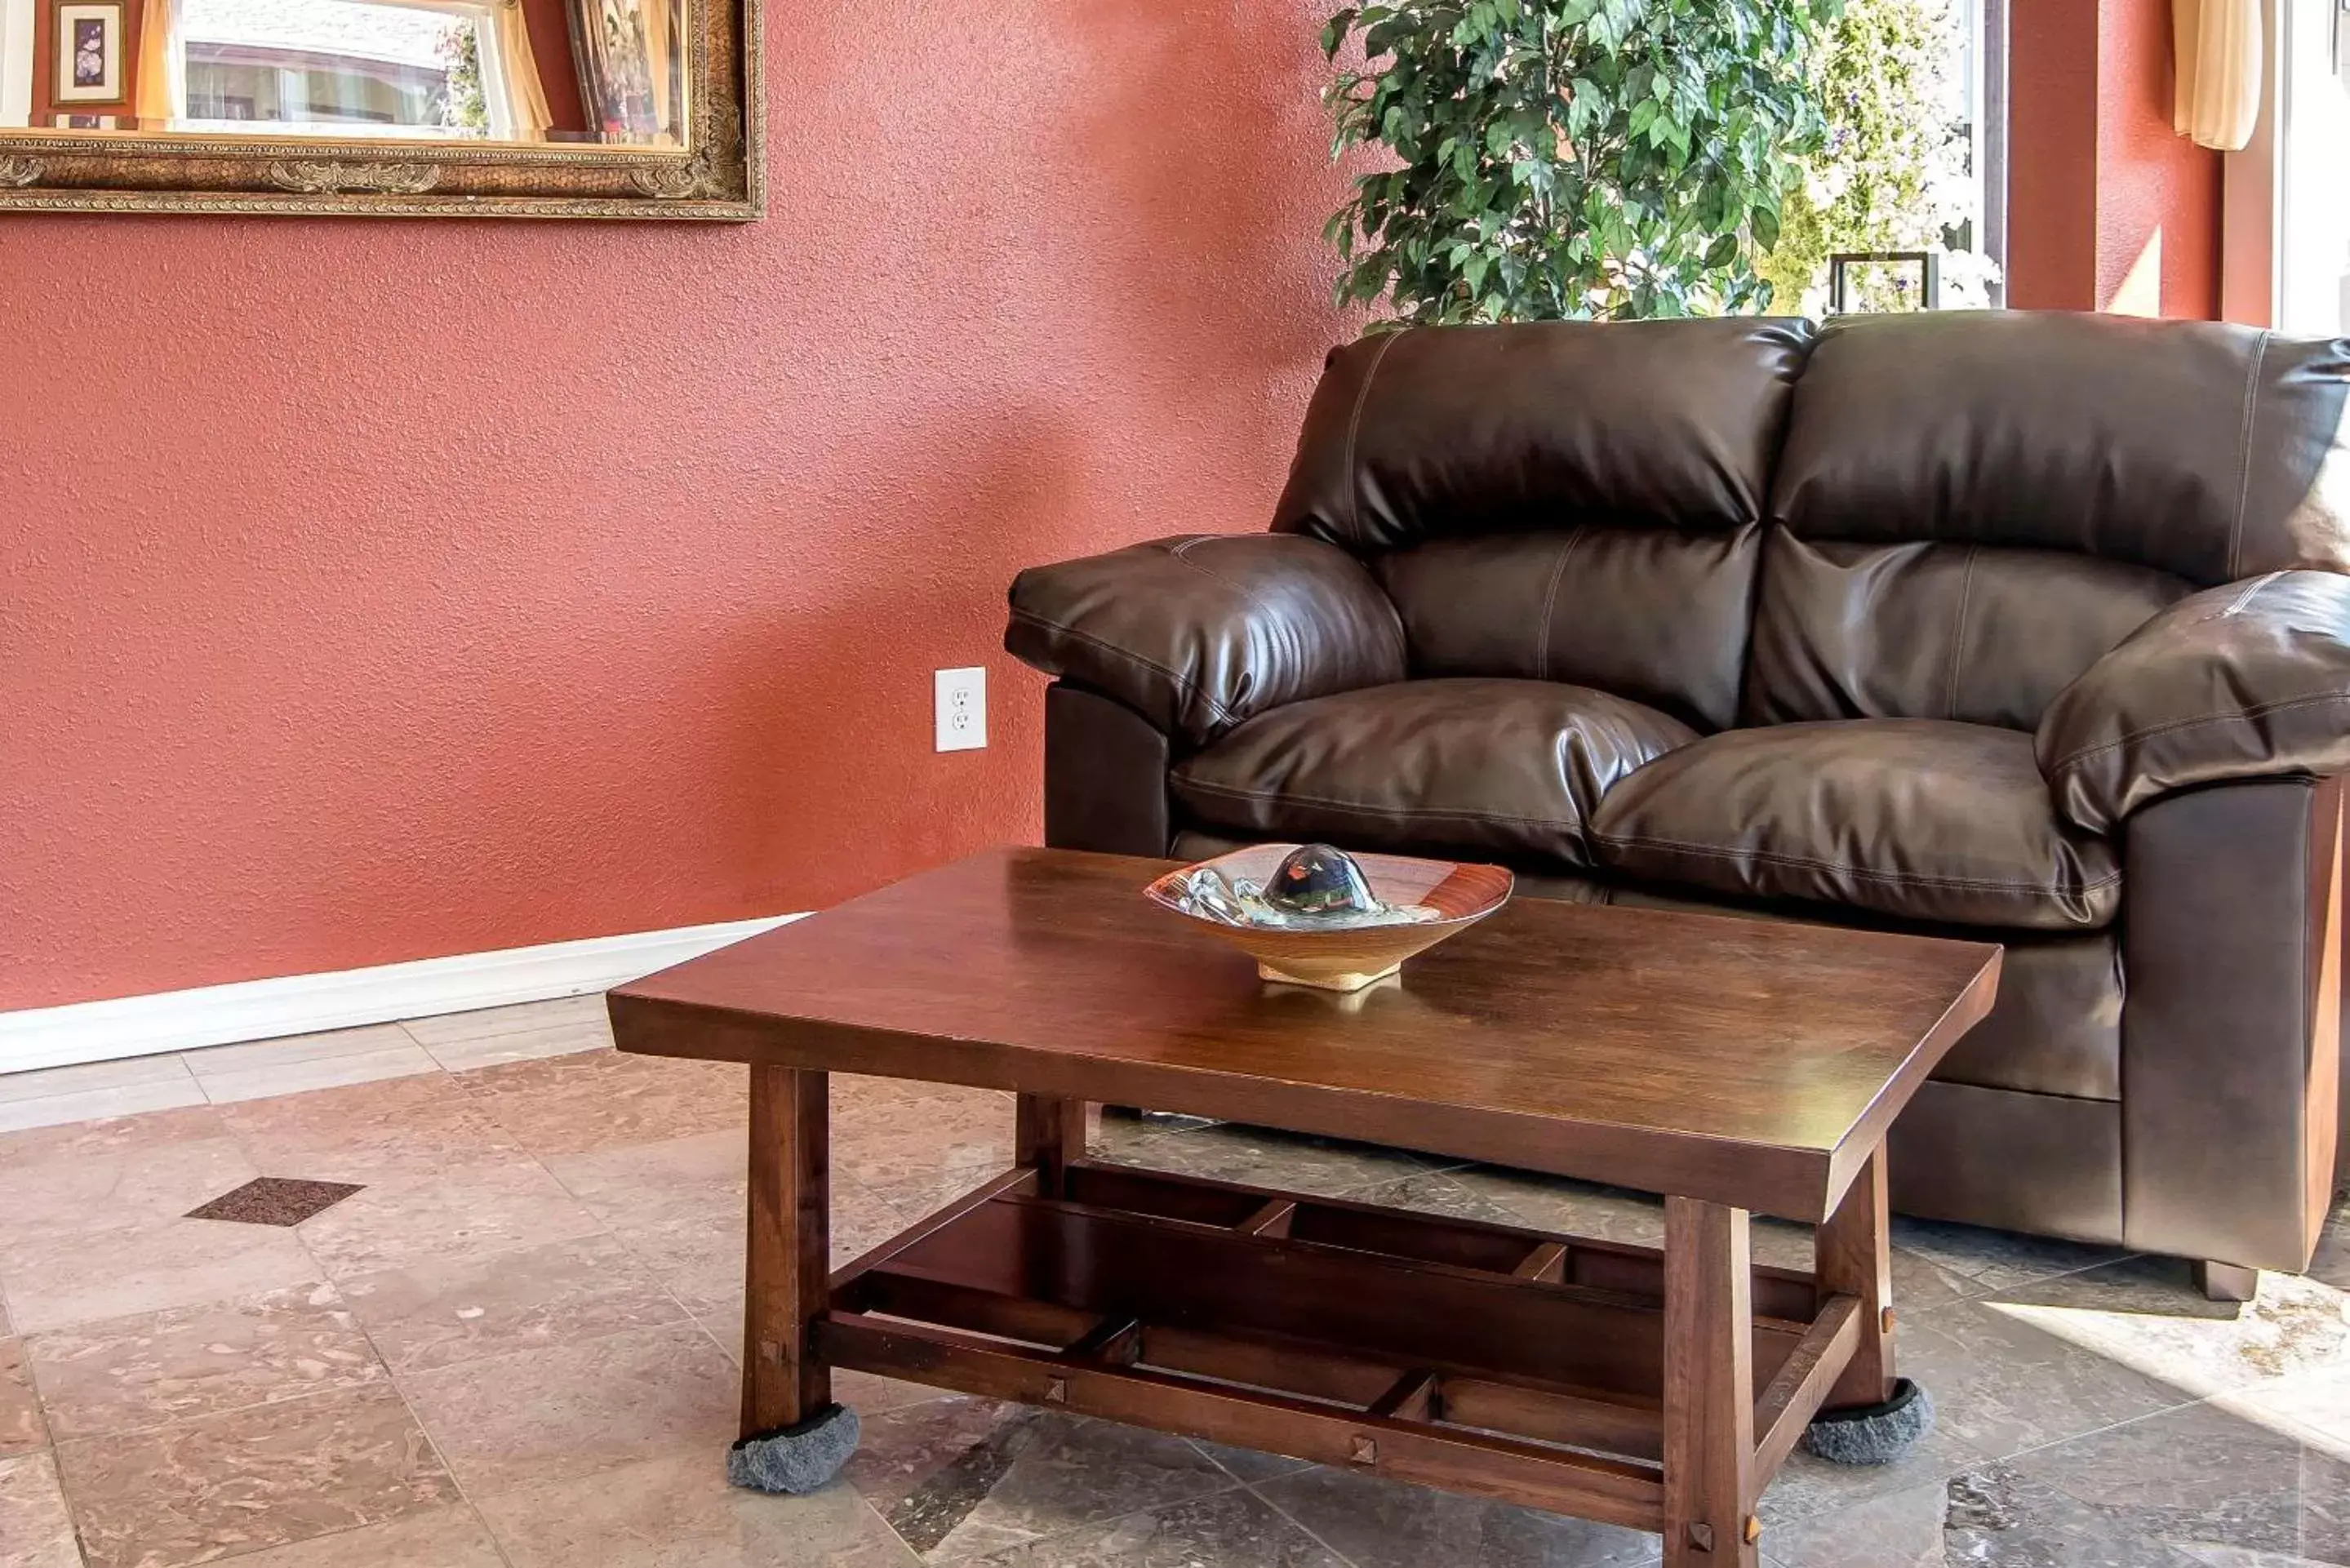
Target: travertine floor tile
x=698 y=1255
x=1229 y=1529
x=2315 y=1407
x=922 y=1152
x=22 y=1430
x=35 y=1530
x=464 y=1041
x=125 y=1374
x=682 y=1180
x=2146 y=1313
x=2002 y=1384
x=679 y=1512
x=1375 y=1523
x=109 y=1136
x=464 y=1211
x=58 y=1110
x=437 y=1314
x=230 y=1073
x=374 y=1132
x=1257 y=1156
x=1249 y=1464
x=91 y=1077
x=1808 y=1487
x=61 y=1199
x=499 y=1023
x=444 y=1538
x=2203 y=1476
x=596 y=1099
x=55 y=1281
x=245 y=1479
x=576 y=1410
x=1900 y=1529
x=1990 y=1261
x=961 y=1478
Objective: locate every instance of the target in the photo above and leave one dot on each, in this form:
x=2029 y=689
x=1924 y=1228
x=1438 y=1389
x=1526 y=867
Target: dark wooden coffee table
x=1732 y=1065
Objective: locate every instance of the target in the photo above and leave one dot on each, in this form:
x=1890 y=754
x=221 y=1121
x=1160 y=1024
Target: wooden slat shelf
x=1510 y=1362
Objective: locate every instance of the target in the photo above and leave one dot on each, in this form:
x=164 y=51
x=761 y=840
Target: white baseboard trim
x=306 y=1003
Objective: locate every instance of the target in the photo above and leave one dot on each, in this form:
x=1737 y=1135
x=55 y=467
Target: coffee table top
x=1748 y=1061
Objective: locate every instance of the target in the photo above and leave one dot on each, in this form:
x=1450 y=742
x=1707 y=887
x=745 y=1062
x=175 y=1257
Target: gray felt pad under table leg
x=798 y=1459
x=1872 y=1434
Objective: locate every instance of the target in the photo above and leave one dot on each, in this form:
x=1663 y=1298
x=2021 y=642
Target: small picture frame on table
x=86 y=40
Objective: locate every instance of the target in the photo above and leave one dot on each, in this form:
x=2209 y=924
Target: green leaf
x=1570 y=157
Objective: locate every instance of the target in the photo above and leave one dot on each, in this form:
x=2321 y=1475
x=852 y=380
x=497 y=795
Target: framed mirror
x=582 y=108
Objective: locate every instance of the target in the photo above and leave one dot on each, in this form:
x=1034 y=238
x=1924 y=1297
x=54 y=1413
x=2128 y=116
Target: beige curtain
x=522 y=95
x=2216 y=45
x=661 y=50
x=526 y=94
x=160 y=91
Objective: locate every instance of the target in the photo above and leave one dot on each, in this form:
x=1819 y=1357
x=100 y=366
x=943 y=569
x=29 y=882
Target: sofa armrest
x=1200 y=632
x=2245 y=681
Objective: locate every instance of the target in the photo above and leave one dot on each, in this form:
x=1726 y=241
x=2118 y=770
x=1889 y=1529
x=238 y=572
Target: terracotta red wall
x=2107 y=208
x=375 y=591
x=549 y=25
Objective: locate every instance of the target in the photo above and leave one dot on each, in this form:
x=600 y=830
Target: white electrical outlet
x=961 y=700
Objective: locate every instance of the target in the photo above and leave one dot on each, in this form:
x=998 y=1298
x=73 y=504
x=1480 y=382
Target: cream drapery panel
x=660 y=48
x=2217 y=50
x=522 y=94
x=160 y=90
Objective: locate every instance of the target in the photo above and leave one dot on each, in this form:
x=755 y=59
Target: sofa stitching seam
x=1215 y=708
x=1550 y=602
x=2256 y=711
x=2245 y=452
x=1776 y=858
x=2243 y=601
x=1958 y=644
x=1354 y=428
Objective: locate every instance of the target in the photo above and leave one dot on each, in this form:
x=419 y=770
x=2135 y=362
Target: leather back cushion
x=1977 y=633
x=1458 y=431
x=1660 y=617
x=2208 y=451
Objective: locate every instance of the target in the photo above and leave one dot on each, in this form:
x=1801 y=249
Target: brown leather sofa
x=2025 y=627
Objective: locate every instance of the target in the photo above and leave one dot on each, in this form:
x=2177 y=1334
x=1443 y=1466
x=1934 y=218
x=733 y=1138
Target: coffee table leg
x=1048 y=1133
x=1871 y=1417
x=1852 y=1255
x=1709 y=1388
x=794 y=1438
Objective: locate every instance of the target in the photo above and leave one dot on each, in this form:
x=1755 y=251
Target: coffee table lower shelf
x=1493 y=1360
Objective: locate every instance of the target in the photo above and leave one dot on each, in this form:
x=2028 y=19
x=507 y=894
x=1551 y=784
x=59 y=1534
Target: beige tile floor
x=515 y=1345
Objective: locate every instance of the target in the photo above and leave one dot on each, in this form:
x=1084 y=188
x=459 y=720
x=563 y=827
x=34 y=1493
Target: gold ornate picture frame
x=719 y=175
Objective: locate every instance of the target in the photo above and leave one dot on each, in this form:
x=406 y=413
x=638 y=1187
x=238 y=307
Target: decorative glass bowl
x=1419 y=903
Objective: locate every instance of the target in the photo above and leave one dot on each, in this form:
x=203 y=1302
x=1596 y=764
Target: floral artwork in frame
x=87 y=43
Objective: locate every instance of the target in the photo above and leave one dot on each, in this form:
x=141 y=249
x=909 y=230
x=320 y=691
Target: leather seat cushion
x=1923 y=819
x=1501 y=769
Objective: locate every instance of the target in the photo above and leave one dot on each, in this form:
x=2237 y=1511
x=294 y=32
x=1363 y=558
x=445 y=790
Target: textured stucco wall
x=374 y=591
x=2107 y=208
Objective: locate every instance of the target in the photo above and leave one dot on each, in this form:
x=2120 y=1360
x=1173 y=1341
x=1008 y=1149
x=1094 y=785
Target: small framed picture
x=87 y=38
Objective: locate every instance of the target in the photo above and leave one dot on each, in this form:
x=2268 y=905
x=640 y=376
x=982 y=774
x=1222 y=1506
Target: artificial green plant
x=1569 y=158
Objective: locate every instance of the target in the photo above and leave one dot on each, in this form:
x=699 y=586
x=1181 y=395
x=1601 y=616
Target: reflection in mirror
x=570 y=71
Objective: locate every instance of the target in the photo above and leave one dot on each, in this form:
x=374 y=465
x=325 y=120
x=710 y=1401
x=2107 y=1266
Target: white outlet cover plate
x=960 y=703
